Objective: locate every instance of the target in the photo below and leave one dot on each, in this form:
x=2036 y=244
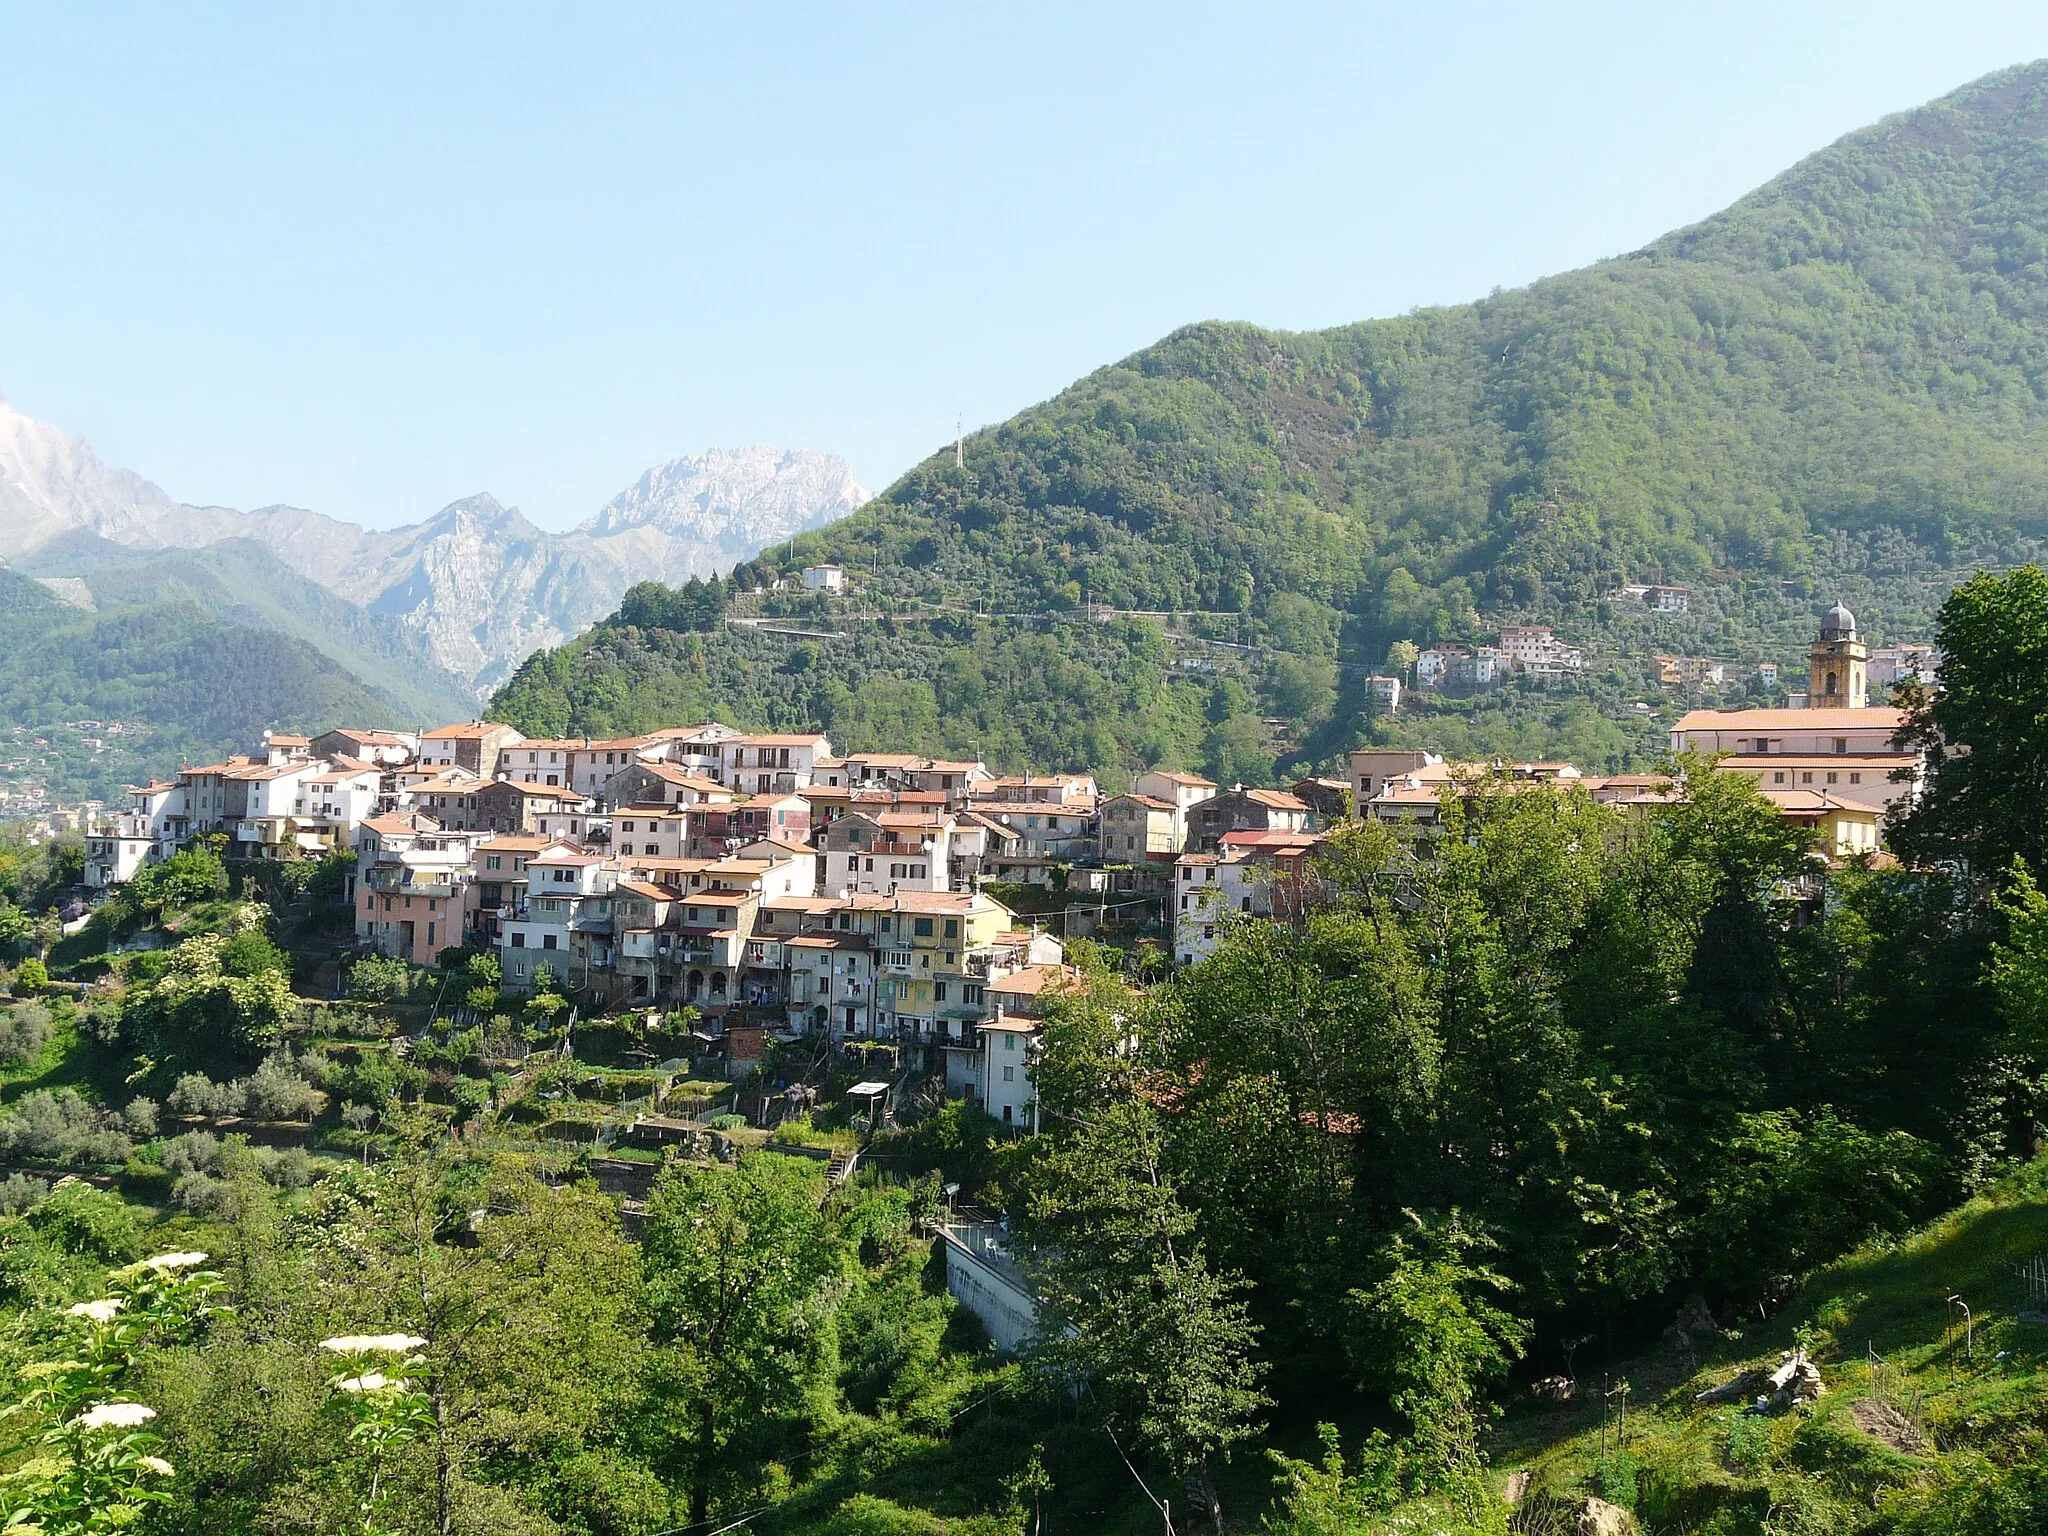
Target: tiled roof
x=1792 y=719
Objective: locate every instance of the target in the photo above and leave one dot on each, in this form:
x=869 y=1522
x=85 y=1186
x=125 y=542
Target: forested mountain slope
x=1834 y=387
x=243 y=582
x=162 y=681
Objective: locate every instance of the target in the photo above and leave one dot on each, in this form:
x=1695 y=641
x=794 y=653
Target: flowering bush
x=386 y=1409
x=92 y=1465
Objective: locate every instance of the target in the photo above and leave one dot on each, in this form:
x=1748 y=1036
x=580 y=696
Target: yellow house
x=1842 y=828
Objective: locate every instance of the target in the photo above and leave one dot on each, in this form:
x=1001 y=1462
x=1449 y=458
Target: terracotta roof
x=1145 y=800
x=277 y=739
x=775 y=741
x=537 y=791
x=1034 y=979
x=642 y=888
x=1792 y=719
x=473 y=730
x=1761 y=761
x=1192 y=780
x=368 y=738
x=1815 y=802
x=1276 y=799
x=400 y=825
x=518 y=842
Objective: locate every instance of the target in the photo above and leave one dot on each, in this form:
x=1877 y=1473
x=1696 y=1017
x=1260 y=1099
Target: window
x=1855 y=778
x=1778 y=777
x=1841 y=742
x=518 y=940
x=1833 y=777
x=923 y=927
x=1806 y=778
x=1010 y=1073
x=1009 y=1042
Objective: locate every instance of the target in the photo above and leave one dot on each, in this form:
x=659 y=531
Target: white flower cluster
x=115 y=1416
x=374 y=1344
x=97 y=1311
x=174 y=1261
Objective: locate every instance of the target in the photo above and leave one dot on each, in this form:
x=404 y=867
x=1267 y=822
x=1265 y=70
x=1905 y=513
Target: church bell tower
x=1840 y=677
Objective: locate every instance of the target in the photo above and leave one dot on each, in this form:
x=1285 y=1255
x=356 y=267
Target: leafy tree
x=196 y=1007
x=1427 y=1326
x=1128 y=1300
x=738 y=1263
x=252 y=953
x=31 y=976
x=1985 y=730
x=188 y=876
x=25 y=1031
x=379 y=979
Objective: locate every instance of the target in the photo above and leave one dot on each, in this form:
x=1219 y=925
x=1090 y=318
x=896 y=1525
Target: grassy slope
x=1838 y=385
x=1818 y=1463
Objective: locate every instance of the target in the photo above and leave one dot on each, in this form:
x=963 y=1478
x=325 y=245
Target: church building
x=1839 y=746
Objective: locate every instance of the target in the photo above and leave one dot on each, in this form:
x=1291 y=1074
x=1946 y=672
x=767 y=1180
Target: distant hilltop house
x=1455 y=665
x=1690 y=671
x=1656 y=598
x=1525 y=650
x=1890 y=665
x=824 y=578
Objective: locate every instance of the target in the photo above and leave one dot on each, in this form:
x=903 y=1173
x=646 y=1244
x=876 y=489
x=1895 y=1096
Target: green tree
x=1985 y=730
x=1128 y=1300
x=1428 y=1327
x=379 y=979
x=738 y=1264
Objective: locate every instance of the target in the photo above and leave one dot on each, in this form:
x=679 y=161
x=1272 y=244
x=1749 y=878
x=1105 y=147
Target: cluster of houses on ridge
x=770 y=882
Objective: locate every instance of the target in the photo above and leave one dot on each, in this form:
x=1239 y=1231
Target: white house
x=763 y=764
x=824 y=578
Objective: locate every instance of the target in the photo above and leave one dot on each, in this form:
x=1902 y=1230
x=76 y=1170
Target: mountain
x=1836 y=387
x=477 y=585
x=93 y=700
x=244 y=583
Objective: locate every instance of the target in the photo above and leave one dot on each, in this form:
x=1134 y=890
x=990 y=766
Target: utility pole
x=959 y=444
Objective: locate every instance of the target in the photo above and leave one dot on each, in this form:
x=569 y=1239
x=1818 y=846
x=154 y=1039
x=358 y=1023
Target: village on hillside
x=780 y=888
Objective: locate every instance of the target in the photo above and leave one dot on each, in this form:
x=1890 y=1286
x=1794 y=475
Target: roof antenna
x=959 y=444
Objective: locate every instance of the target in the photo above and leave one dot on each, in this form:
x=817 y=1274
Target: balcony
x=395 y=880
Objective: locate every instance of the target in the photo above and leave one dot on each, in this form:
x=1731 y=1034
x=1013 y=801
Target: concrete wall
x=999 y=1300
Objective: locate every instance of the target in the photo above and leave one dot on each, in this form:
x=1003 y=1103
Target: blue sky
x=370 y=259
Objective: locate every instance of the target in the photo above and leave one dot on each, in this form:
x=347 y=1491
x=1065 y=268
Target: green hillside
x=1833 y=388
x=165 y=682
x=242 y=582
x=1925 y=1426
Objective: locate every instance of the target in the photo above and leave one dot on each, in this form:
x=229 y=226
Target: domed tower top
x=1838 y=672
